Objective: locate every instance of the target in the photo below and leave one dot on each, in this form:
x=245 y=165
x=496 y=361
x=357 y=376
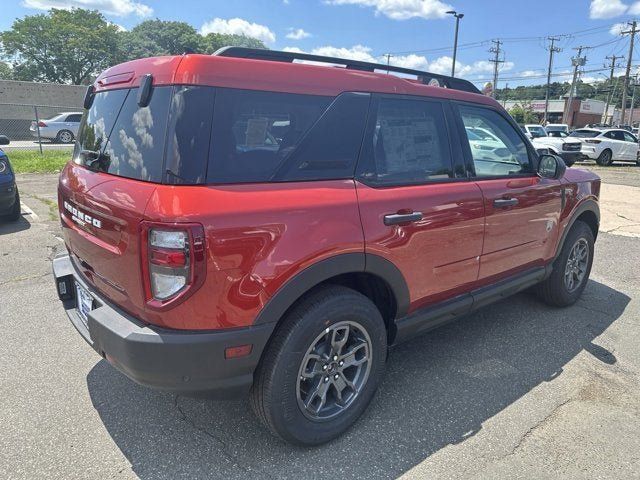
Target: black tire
x=275 y=396
x=554 y=290
x=605 y=159
x=65 y=136
x=14 y=216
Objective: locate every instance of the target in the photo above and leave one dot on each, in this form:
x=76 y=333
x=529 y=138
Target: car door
x=417 y=208
x=73 y=122
x=631 y=146
x=521 y=209
x=615 y=141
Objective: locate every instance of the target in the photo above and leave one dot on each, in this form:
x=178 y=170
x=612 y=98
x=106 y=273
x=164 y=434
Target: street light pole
x=455 y=39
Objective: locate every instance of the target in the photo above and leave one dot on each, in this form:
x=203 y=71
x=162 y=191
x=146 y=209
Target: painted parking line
x=29 y=212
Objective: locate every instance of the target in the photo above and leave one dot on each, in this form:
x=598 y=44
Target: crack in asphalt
x=534 y=427
x=26 y=277
x=229 y=456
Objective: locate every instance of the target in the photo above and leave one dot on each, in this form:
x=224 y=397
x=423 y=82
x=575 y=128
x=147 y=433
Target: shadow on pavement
x=438 y=390
x=12 y=227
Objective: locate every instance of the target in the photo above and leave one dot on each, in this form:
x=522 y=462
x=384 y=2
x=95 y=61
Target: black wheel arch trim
x=588 y=205
x=331 y=267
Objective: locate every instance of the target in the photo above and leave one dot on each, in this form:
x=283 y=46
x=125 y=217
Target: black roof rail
x=289 y=57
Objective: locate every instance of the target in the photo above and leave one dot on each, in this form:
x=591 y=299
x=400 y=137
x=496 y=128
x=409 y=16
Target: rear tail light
x=42 y=124
x=173 y=262
x=591 y=140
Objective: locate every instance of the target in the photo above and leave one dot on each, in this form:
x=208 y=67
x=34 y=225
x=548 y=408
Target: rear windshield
x=584 y=133
x=200 y=134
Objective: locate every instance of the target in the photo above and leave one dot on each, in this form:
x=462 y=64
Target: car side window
x=629 y=138
x=74 y=117
x=615 y=135
x=408 y=144
x=499 y=151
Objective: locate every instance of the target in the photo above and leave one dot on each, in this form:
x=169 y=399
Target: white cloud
x=440 y=65
x=618 y=28
x=119 y=8
x=634 y=9
x=401 y=9
x=297 y=34
x=606 y=9
x=238 y=26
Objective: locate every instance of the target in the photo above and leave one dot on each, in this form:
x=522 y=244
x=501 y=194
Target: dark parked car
x=9 y=196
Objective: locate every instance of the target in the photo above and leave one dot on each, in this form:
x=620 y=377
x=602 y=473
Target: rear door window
x=74 y=117
x=254 y=132
x=409 y=143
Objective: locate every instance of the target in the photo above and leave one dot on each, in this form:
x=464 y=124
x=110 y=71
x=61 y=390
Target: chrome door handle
x=397 y=218
x=505 y=202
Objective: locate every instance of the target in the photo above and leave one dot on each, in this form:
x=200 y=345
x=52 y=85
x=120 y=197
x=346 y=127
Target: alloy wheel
x=334 y=370
x=576 y=267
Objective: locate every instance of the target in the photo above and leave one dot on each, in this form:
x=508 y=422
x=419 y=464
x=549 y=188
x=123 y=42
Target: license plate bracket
x=84 y=303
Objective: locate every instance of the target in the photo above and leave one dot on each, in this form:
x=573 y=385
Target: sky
x=417 y=33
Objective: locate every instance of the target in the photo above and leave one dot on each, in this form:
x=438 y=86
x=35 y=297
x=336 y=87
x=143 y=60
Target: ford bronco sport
x=244 y=222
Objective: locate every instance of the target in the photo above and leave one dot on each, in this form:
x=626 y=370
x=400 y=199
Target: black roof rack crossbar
x=290 y=57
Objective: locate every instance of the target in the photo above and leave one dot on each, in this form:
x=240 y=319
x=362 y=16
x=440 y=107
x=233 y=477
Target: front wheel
x=571 y=269
x=322 y=367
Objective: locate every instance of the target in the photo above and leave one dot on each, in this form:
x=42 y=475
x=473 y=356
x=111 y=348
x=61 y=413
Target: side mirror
x=4 y=140
x=551 y=166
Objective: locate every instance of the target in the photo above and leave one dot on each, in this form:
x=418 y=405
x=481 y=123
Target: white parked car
x=565 y=147
x=608 y=146
x=62 y=128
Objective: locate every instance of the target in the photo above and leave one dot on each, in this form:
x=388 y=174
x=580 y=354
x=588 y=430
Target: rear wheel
x=64 y=136
x=322 y=367
x=605 y=159
x=571 y=269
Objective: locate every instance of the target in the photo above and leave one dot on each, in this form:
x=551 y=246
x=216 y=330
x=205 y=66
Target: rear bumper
x=187 y=362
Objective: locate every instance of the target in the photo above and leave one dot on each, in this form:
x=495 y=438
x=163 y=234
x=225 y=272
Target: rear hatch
x=117 y=164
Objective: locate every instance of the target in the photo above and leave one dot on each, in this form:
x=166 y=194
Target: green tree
x=62 y=46
x=6 y=73
x=214 y=41
x=152 y=38
x=523 y=113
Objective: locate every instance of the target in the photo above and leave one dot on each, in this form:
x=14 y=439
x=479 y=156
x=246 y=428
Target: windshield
x=538 y=131
x=584 y=133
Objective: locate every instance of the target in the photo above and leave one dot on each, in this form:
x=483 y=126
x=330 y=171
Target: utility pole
x=577 y=62
x=611 y=88
x=496 y=62
x=632 y=32
x=455 y=39
x=552 y=49
x=388 y=55
x=633 y=98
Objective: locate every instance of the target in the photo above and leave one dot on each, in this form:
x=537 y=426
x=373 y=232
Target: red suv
x=246 y=222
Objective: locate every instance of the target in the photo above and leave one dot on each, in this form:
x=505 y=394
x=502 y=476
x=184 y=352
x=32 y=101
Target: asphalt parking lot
x=517 y=390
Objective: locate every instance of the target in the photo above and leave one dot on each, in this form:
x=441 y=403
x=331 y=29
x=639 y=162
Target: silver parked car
x=62 y=128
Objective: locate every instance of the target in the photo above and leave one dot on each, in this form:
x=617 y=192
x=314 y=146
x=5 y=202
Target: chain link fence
x=39 y=127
